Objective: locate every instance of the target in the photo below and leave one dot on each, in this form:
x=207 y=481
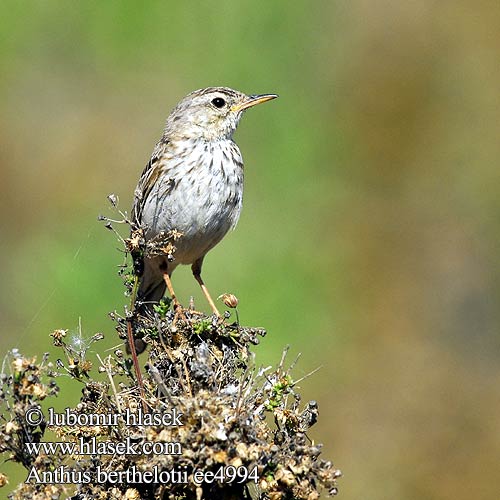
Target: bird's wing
x=146 y=182
x=150 y=285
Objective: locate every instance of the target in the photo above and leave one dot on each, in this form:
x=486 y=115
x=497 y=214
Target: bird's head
x=212 y=113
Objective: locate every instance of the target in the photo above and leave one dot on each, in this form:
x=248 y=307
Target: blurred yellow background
x=369 y=239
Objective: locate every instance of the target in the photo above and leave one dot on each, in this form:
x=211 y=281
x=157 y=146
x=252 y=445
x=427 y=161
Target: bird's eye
x=218 y=102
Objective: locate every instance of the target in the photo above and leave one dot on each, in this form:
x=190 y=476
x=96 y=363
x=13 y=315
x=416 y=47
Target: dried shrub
x=199 y=370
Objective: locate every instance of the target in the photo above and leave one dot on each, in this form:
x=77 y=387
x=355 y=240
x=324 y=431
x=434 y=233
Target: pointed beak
x=253 y=100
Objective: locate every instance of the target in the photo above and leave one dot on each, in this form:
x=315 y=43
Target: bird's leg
x=177 y=305
x=196 y=268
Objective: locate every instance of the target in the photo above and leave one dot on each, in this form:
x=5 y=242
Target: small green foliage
x=202 y=326
x=152 y=333
x=163 y=307
x=129 y=282
x=279 y=389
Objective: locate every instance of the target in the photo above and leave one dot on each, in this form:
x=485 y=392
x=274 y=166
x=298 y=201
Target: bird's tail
x=149 y=290
x=151 y=285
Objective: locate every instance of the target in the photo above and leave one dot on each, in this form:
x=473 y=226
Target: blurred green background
x=369 y=239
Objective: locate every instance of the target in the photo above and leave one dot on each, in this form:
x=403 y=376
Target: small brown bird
x=193 y=184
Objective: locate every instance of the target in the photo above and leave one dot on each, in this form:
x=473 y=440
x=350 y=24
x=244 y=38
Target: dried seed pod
x=229 y=300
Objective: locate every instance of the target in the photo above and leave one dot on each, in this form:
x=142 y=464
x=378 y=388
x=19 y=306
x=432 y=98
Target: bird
x=192 y=186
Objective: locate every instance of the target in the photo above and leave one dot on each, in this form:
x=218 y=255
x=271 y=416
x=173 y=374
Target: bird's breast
x=199 y=194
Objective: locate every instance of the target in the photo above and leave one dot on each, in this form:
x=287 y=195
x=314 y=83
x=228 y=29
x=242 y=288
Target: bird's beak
x=253 y=100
